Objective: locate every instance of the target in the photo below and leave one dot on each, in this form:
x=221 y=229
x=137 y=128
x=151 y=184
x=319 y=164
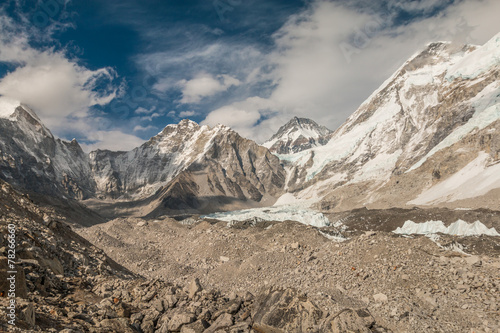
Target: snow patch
x=477 y=62
x=459 y=228
x=475 y=179
x=487 y=106
x=277 y=213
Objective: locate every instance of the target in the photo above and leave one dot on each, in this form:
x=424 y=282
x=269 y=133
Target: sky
x=114 y=73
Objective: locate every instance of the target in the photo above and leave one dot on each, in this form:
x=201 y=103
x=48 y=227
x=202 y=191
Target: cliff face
x=31 y=158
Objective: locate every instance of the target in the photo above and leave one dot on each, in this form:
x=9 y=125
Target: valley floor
x=408 y=284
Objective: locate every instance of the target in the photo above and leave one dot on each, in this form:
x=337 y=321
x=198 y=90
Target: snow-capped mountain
x=429 y=135
x=186 y=166
x=189 y=166
x=297 y=135
x=31 y=158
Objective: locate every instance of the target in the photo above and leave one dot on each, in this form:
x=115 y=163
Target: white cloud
x=141 y=110
x=58 y=88
x=205 y=85
x=112 y=140
x=315 y=77
x=150 y=117
x=140 y=128
x=184 y=114
x=47 y=80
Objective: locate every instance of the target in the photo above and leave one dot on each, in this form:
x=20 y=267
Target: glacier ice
x=459 y=228
x=276 y=213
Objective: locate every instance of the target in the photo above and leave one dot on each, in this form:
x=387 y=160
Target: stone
x=27 y=313
x=179 y=320
x=194 y=287
x=473 y=261
x=148 y=326
x=380 y=298
x=136 y=317
x=196 y=327
x=171 y=301
x=284 y=310
x=157 y=304
x=224 y=321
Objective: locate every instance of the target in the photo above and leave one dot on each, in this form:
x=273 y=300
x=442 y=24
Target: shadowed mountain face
x=31 y=158
x=170 y=172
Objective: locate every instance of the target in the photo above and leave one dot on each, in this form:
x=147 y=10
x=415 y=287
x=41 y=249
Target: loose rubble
x=204 y=276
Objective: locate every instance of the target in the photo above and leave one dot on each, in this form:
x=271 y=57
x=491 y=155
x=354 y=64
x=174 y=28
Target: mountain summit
x=297 y=135
x=427 y=136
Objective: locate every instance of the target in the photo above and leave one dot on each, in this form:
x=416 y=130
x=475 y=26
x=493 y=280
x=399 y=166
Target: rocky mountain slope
x=428 y=136
x=372 y=281
x=185 y=167
x=297 y=135
x=191 y=167
x=33 y=159
x=65 y=284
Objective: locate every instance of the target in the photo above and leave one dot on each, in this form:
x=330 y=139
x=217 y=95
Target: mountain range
x=427 y=137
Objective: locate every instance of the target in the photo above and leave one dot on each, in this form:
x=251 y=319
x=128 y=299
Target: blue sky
x=114 y=73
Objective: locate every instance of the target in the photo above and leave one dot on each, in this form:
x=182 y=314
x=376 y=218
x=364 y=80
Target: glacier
x=459 y=228
x=276 y=213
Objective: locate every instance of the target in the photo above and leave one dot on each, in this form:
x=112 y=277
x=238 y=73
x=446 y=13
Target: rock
x=194 y=287
x=27 y=313
x=380 y=298
x=149 y=296
x=148 y=326
x=284 y=310
x=349 y=320
x=54 y=264
x=196 y=327
x=171 y=301
x=224 y=321
x=136 y=317
x=117 y=325
x=473 y=261
x=157 y=304
x=180 y=319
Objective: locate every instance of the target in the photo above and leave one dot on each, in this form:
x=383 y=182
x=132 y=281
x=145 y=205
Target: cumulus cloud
x=47 y=80
x=59 y=89
x=112 y=140
x=205 y=85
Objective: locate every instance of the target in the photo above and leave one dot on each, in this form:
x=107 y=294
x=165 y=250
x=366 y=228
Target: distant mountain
x=191 y=167
x=186 y=167
x=297 y=135
x=428 y=136
x=31 y=158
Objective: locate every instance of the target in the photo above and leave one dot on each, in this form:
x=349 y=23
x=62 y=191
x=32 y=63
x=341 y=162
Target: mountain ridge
x=297 y=135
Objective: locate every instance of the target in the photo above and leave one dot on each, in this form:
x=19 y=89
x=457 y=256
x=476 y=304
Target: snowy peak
x=297 y=135
x=428 y=121
x=31 y=158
